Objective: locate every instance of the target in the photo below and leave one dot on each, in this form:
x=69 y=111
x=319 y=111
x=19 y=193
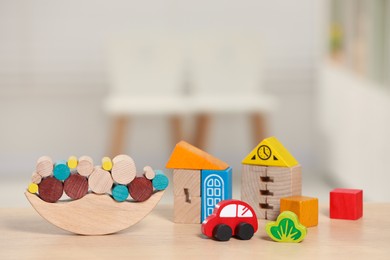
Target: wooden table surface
x=25 y=235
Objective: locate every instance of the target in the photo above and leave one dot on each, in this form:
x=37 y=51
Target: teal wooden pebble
x=160 y=181
x=120 y=192
x=61 y=170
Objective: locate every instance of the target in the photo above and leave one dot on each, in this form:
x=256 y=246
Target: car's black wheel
x=222 y=232
x=244 y=231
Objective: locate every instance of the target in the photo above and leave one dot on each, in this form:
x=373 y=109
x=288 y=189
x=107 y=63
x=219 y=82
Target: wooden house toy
x=269 y=173
x=200 y=182
x=346 y=204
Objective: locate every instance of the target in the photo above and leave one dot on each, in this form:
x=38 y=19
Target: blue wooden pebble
x=120 y=192
x=160 y=181
x=61 y=170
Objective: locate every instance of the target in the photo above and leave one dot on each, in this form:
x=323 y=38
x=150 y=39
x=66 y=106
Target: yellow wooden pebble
x=33 y=188
x=106 y=164
x=72 y=162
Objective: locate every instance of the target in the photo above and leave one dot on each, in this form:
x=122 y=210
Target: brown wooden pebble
x=76 y=186
x=44 y=166
x=85 y=166
x=36 y=178
x=123 y=169
x=50 y=189
x=100 y=181
x=140 y=189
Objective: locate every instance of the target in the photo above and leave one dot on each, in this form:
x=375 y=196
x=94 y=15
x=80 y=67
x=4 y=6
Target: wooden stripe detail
x=100 y=181
x=186 y=212
x=85 y=166
x=188 y=180
x=44 y=166
x=140 y=189
x=76 y=186
x=250 y=186
x=263 y=186
x=50 y=189
x=123 y=170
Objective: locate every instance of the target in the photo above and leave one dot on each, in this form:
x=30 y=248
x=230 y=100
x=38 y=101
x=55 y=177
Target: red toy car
x=230 y=218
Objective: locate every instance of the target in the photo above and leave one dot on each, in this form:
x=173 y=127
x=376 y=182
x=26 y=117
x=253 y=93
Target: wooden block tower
x=269 y=173
x=200 y=181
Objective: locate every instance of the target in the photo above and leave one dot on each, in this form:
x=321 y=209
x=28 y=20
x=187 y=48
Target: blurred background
x=102 y=77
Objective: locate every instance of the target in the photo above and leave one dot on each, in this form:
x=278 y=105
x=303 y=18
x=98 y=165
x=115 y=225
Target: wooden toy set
x=200 y=182
x=272 y=186
x=98 y=194
x=271 y=190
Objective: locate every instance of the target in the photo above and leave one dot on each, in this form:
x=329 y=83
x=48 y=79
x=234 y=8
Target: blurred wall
x=53 y=75
x=354 y=117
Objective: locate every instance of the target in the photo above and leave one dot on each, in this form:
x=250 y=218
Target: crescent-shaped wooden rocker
x=94 y=214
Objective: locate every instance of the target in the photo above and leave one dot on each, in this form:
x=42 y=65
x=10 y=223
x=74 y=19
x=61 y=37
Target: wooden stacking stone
x=33 y=188
x=61 y=170
x=76 y=186
x=140 y=189
x=72 y=162
x=50 y=189
x=149 y=173
x=44 y=166
x=160 y=181
x=85 y=166
x=123 y=170
x=100 y=181
x=36 y=178
x=106 y=163
x=120 y=192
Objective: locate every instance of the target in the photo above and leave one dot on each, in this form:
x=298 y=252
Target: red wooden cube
x=346 y=204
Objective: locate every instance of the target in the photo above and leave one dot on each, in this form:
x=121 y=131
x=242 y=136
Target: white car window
x=244 y=212
x=229 y=211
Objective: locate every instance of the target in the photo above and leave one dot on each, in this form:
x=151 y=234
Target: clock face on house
x=264 y=152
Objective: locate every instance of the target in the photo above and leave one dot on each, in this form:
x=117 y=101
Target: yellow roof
x=270 y=152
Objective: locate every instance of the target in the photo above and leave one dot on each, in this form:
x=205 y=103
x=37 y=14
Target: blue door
x=216 y=186
x=214 y=193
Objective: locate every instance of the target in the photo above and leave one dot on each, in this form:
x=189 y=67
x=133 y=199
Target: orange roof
x=186 y=156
